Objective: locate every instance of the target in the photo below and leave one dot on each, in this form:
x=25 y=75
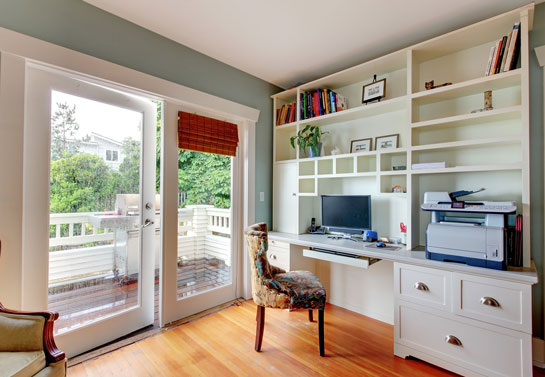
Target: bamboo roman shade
x=203 y=134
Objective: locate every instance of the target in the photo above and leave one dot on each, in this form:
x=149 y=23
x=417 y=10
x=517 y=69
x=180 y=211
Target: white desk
x=471 y=320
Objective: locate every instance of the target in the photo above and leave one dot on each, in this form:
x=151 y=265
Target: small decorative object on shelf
x=399 y=167
x=386 y=142
x=487 y=103
x=309 y=138
x=398 y=189
x=361 y=145
x=430 y=85
x=374 y=91
x=403 y=228
x=335 y=151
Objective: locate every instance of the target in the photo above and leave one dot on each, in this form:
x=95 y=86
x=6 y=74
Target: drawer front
x=494 y=301
x=484 y=351
x=425 y=286
x=279 y=258
x=279 y=244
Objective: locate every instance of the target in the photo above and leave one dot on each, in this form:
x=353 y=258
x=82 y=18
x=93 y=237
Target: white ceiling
x=286 y=42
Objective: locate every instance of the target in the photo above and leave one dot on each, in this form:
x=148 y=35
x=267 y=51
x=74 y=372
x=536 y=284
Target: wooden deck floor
x=82 y=303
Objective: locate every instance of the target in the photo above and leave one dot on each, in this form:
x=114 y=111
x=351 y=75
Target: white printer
x=466 y=232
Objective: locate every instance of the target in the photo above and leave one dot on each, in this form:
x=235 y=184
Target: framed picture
x=362 y=145
x=374 y=91
x=386 y=142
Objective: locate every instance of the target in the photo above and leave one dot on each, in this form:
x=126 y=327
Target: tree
x=82 y=183
x=129 y=169
x=63 y=129
x=205 y=178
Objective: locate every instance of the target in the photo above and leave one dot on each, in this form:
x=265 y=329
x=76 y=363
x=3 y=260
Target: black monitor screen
x=346 y=213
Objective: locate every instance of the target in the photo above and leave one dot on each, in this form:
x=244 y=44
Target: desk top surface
x=522 y=275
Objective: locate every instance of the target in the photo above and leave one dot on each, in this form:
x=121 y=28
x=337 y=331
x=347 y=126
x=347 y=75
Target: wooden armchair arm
x=52 y=353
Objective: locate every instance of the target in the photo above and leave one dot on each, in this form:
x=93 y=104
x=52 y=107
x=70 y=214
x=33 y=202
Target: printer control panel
x=497 y=207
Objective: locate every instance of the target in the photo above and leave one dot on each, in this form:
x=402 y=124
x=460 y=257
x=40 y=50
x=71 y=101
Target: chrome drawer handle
x=490 y=302
x=421 y=286
x=451 y=339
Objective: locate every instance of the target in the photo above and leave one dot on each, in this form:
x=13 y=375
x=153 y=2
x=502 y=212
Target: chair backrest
x=256 y=237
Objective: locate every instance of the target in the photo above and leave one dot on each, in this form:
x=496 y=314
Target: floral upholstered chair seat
x=303 y=289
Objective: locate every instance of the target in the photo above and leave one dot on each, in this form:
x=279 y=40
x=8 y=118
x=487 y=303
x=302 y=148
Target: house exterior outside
x=109 y=149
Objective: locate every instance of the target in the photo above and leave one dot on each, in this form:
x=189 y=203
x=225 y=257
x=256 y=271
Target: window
x=111 y=155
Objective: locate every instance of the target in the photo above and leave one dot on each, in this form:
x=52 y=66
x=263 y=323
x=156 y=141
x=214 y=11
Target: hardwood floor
x=222 y=344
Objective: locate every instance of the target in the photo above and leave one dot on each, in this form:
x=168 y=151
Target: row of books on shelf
x=313 y=103
x=321 y=102
x=285 y=114
x=504 y=54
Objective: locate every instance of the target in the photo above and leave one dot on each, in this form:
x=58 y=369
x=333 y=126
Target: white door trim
x=83 y=64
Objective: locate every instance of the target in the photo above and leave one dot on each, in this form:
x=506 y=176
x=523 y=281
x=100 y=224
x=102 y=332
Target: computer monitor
x=346 y=213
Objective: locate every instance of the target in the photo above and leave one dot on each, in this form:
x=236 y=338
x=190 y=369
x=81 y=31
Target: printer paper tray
x=458 y=253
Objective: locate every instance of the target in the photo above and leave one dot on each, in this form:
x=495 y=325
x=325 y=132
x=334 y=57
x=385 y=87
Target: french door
x=201 y=226
x=90 y=221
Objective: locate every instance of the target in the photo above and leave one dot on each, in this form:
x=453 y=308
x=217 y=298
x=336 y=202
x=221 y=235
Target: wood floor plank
x=221 y=344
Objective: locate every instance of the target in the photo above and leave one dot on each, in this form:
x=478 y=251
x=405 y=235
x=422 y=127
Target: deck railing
x=82 y=251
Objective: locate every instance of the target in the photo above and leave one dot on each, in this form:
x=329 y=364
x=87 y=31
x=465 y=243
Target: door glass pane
x=94 y=234
x=204 y=222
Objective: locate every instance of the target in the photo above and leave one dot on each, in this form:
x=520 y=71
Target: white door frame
x=40 y=83
x=23 y=49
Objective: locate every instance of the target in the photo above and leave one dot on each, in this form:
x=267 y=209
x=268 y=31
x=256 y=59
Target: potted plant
x=309 y=138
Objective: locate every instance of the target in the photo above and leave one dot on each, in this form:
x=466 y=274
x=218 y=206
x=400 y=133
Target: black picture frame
x=354 y=145
x=374 y=91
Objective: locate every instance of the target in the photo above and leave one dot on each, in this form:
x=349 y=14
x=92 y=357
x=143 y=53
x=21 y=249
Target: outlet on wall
x=261 y=196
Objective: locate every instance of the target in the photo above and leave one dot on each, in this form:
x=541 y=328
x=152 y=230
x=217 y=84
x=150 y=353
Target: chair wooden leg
x=260 y=326
x=310 y=316
x=321 y=330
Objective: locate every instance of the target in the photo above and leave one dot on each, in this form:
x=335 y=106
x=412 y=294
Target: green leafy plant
x=310 y=136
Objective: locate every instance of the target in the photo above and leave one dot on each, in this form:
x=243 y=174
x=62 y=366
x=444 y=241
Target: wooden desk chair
x=273 y=287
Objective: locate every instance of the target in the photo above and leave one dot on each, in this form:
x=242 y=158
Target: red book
x=496 y=59
x=316 y=103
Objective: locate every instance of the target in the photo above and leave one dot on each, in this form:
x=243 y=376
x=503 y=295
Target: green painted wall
x=79 y=26
x=537 y=38
x=82 y=27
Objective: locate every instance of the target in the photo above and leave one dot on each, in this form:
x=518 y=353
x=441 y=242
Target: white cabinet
x=285 y=201
x=467 y=323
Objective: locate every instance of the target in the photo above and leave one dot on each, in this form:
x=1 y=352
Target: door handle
x=147 y=223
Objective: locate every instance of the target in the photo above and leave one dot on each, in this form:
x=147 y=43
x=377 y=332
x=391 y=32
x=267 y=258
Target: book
x=516 y=52
x=506 y=50
x=500 y=55
x=510 y=53
x=490 y=57
x=342 y=103
x=498 y=48
x=333 y=102
x=429 y=165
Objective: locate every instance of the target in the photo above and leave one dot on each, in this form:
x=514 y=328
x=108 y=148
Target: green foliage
x=82 y=183
x=309 y=136
x=129 y=169
x=63 y=129
x=205 y=178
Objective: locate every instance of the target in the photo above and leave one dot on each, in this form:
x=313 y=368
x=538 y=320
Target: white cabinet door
x=285 y=201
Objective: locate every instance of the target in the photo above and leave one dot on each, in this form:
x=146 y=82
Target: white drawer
x=492 y=353
x=493 y=301
x=279 y=244
x=279 y=259
x=425 y=286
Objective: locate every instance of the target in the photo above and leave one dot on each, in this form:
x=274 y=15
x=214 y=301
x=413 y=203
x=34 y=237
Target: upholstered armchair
x=27 y=347
x=273 y=287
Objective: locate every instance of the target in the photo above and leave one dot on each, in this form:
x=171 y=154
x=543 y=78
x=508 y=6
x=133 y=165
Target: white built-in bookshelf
x=485 y=149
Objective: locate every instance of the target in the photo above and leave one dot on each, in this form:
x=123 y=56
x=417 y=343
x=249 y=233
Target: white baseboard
x=538 y=352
